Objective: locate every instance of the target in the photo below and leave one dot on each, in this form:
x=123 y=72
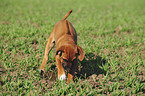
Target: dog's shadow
x=91 y=64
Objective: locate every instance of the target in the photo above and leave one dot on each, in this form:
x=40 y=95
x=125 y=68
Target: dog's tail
x=67 y=15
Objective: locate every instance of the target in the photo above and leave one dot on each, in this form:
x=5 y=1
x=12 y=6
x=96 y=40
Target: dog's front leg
x=72 y=71
x=61 y=73
x=49 y=46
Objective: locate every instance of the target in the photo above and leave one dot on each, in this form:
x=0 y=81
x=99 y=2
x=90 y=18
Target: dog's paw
x=41 y=71
x=62 y=77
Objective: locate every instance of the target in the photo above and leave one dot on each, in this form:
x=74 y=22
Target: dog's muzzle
x=66 y=66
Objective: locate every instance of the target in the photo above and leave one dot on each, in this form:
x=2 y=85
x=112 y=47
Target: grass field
x=112 y=33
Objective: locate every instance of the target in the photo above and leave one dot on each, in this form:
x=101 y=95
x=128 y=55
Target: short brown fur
x=67 y=51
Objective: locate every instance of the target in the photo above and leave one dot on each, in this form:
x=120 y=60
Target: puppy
x=67 y=51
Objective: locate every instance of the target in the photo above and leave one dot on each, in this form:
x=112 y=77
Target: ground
x=111 y=33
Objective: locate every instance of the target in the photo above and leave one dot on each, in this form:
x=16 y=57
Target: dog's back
x=65 y=27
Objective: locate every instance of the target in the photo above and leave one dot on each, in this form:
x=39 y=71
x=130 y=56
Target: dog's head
x=69 y=54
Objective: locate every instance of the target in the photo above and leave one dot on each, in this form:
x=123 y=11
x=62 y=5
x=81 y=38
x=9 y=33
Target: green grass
x=112 y=33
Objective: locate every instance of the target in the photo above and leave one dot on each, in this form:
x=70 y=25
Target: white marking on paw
x=62 y=77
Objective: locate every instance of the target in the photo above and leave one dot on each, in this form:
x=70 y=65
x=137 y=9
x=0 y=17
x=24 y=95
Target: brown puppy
x=67 y=50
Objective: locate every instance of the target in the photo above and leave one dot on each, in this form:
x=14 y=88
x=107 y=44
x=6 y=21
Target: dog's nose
x=66 y=66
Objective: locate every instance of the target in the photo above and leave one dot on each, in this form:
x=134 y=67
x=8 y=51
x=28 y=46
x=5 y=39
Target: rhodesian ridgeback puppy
x=67 y=51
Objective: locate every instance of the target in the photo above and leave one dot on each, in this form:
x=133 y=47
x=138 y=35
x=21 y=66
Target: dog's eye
x=65 y=60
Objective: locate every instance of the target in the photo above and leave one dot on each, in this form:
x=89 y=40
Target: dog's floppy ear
x=80 y=52
x=59 y=51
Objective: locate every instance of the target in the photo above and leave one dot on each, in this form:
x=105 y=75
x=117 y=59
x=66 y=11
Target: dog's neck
x=65 y=40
